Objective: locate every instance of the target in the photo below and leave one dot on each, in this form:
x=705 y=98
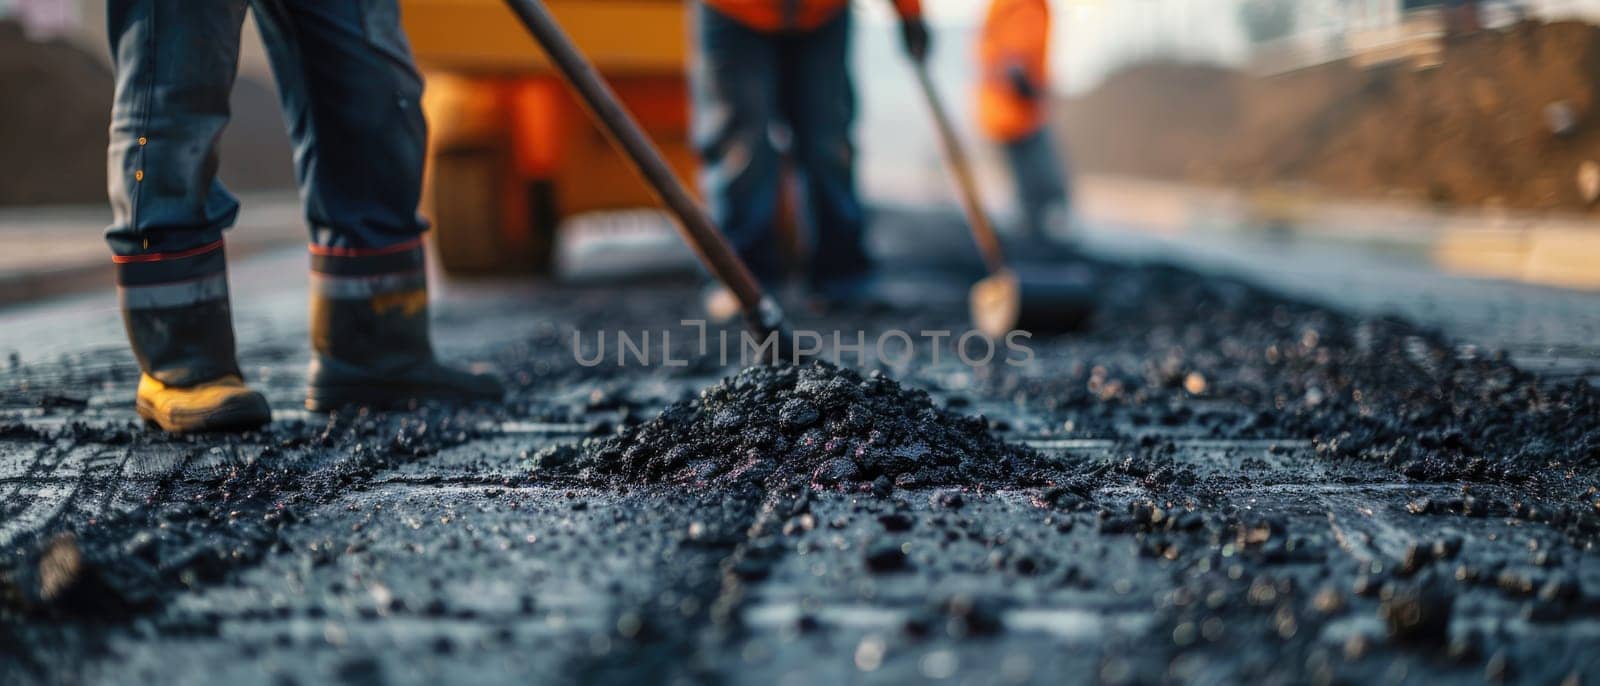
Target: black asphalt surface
x=1231 y=487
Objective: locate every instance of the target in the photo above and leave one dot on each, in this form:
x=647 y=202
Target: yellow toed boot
x=175 y=307
x=225 y=404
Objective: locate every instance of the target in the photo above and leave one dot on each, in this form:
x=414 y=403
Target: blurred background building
x=1291 y=111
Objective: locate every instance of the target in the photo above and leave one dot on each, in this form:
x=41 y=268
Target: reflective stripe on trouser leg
x=356 y=274
x=176 y=309
x=363 y=273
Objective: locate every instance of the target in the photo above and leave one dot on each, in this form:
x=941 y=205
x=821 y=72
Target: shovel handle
x=955 y=158
x=760 y=312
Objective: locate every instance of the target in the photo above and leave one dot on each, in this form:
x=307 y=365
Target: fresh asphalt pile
x=1232 y=362
x=816 y=425
x=1210 y=484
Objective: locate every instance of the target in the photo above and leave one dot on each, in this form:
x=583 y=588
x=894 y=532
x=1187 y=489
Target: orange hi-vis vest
x=795 y=15
x=1016 y=33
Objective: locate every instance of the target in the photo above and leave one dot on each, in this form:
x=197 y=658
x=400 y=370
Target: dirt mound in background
x=52 y=121
x=54 y=117
x=1155 y=119
x=1471 y=131
x=817 y=424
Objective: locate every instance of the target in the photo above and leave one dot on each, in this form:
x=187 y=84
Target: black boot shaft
x=369 y=333
x=176 y=310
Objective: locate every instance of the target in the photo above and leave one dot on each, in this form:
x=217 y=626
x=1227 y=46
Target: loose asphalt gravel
x=1209 y=485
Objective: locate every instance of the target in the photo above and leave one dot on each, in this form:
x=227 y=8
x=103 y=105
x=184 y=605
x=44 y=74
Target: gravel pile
x=816 y=424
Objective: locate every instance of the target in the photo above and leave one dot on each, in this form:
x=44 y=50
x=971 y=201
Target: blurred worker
x=1013 y=109
x=352 y=101
x=763 y=64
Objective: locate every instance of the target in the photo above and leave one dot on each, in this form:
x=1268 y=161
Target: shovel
x=761 y=313
x=1047 y=299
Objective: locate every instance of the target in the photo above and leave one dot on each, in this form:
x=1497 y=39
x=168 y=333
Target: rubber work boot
x=175 y=307
x=369 y=333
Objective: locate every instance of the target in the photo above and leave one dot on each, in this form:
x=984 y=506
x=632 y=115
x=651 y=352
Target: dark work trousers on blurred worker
x=753 y=88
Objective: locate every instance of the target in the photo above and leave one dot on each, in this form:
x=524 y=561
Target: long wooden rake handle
x=956 y=159
x=761 y=313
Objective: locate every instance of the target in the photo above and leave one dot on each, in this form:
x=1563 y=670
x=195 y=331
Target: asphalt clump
x=818 y=424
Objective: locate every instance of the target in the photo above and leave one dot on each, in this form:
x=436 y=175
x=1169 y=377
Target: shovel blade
x=1038 y=300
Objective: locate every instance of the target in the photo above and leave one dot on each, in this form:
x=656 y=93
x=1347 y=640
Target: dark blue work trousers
x=351 y=99
x=753 y=90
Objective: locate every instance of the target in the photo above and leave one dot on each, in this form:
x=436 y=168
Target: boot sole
x=237 y=414
x=328 y=399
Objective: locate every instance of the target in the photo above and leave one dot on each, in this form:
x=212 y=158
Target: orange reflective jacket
x=1016 y=34
x=794 y=15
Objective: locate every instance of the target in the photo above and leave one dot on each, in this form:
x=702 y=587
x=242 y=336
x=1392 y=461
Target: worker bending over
x=1013 y=96
x=784 y=64
x=352 y=101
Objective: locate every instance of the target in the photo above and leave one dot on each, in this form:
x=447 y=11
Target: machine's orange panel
x=619 y=36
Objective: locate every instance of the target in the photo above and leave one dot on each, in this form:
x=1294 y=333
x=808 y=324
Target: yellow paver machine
x=511 y=151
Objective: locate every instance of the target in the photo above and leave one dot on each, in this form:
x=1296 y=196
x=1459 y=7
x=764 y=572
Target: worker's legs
x=819 y=103
x=352 y=99
x=1044 y=194
x=175 y=64
x=734 y=87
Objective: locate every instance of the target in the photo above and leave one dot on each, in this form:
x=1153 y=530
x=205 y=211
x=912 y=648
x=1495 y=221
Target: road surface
x=1235 y=487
